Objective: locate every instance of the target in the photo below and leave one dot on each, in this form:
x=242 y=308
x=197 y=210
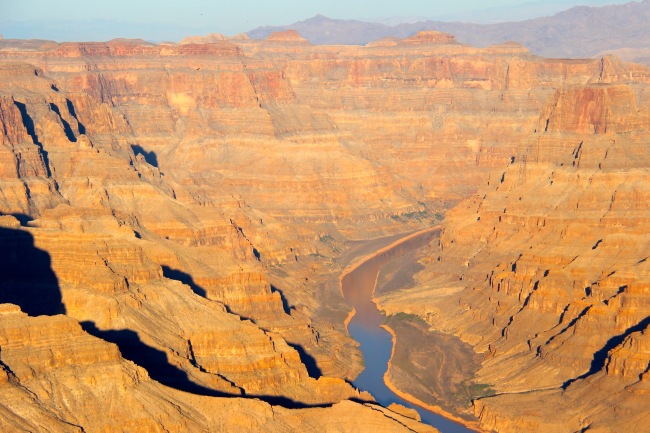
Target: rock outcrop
x=55 y=377
x=549 y=270
x=286 y=36
x=430 y=37
x=189 y=204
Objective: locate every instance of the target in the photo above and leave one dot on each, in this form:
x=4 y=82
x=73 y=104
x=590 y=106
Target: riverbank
x=355 y=264
x=358 y=283
x=412 y=399
x=349 y=318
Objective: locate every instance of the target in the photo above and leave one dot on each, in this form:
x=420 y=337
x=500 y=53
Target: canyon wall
x=544 y=271
x=189 y=203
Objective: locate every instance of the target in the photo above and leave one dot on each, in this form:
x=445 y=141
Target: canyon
x=175 y=219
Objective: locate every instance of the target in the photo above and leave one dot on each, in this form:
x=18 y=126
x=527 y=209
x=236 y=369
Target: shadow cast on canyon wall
x=600 y=356
x=66 y=126
x=27 y=280
x=309 y=361
x=151 y=359
x=185 y=278
x=73 y=113
x=22 y=218
x=150 y=157
x=157 y=364
x=26 y=275
x=285 y=303
x=28 y=123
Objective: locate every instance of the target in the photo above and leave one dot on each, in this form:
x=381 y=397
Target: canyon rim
x=175 y=219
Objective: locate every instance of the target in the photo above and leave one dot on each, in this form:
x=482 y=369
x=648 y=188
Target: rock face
x=430 y=37
x=55 y=377
x=286 y=36
x=550 y=273
x=189 y=205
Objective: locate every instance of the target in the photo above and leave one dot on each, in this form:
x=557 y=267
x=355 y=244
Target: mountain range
x=577 y=32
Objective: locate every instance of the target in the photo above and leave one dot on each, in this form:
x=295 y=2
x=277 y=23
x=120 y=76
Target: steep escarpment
x=549 y=272
x=191 y=204
x=106 y=214
x=55 y=377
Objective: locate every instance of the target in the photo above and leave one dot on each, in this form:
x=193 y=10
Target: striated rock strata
x=55 y=377
x=545 y=271
x=191 y=203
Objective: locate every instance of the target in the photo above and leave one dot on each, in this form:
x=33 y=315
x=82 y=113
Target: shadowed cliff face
x=153 y=360
x=91 y=388
x=26 y=276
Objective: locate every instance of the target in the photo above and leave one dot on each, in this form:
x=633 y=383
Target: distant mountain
x=322 y=30
x=518 y=12
x=577 y=32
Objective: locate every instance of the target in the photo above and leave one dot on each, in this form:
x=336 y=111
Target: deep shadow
x=73 y=113
x=22 y=218
x=241 y=316
x=157 y=365
x=153 y=360
x=26 y=276
x=600 y=357
x=185 y=278
x=66 y=126
x=28 y=122
x=285 y=402
x=309 y=361
x=150 y=157
x=285 y=303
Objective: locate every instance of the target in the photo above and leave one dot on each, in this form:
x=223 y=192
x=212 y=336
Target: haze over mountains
x=578 y=32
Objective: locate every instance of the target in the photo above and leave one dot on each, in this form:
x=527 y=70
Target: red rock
x=286 y=36
x=430 y=37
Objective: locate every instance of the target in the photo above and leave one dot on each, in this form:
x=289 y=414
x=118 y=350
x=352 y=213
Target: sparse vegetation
x=419 y=215
x=325 y=238
x=407 y=317
x=479 y=390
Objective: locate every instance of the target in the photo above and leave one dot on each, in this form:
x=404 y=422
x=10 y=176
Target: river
x=358 y=286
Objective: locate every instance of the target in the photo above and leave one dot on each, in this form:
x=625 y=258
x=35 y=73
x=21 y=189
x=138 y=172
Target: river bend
x=358 y=286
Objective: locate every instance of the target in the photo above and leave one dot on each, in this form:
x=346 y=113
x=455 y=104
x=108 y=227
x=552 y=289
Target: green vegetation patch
x=405 y=317
x=478 y=390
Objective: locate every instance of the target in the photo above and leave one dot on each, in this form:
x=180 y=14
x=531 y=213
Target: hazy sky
x=221 y=16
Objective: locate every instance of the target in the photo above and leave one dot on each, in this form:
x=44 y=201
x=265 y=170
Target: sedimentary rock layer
x=545 y=270
x=55 y=377
x=190 y=203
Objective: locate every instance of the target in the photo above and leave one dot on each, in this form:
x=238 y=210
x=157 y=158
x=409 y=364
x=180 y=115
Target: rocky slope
x=190 y=203
x=57 y=378
x=545 y=270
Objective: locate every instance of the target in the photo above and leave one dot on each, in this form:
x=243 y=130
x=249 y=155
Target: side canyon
x=174 y=220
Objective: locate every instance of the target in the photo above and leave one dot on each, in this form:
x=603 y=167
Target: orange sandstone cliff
x=187 y=206
x=544 y=271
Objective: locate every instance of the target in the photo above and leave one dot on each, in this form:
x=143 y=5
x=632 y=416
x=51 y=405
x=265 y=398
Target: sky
x=156 y=19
